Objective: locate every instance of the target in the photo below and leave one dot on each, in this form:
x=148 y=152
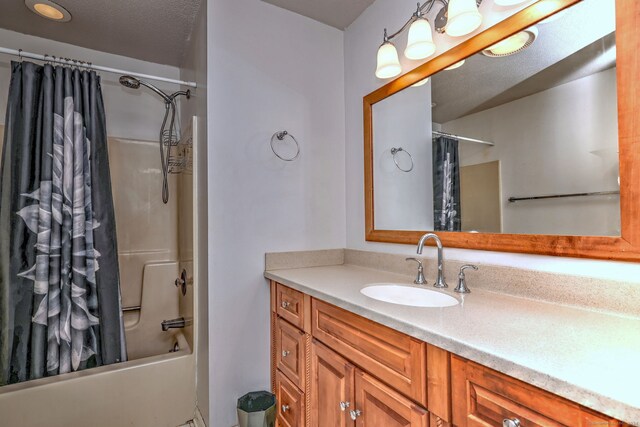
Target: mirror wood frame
x=625 y=247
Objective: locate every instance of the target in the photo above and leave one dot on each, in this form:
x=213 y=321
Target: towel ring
x=395 y=151
x=280 y=137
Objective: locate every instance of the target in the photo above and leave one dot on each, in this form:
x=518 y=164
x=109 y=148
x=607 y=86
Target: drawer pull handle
x=285 y=304
x=511 y=422
x=355 y=414
x=285 y=353
x=285 y=408
x=344 y=406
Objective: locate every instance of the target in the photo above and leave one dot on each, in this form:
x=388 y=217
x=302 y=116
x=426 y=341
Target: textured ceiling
x=577 y=44
x=151 y=30
x=337 y=13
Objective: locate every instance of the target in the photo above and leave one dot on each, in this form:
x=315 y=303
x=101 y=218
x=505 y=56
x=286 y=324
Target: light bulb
x=454 y=66
x=463 y=17
x=420 y=43
x=388 y=64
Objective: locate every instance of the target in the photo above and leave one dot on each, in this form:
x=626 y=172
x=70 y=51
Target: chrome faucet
x=173 y=324
x=440 y=281
x=420 y=280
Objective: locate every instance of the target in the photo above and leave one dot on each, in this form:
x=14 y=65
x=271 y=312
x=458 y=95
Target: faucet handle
x=462 y=282
x=420 y=280
x=416 y=260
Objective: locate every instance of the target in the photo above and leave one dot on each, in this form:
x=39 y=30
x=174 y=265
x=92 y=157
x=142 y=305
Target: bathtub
x=156 y=387
x=152 y=391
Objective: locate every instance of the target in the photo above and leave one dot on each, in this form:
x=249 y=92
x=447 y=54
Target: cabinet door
x=380 y=406
x=332 y=382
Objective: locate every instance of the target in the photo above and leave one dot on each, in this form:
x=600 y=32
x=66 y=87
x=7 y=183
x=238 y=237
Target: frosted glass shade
x=388 y=64
x=463 y=17
x=420 y=43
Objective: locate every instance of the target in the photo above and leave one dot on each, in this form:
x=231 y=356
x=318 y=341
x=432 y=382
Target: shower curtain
x=60 y=308
x=446 y=184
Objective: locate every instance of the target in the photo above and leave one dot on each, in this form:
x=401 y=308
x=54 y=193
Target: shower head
x=133 y=83
x=130 y=82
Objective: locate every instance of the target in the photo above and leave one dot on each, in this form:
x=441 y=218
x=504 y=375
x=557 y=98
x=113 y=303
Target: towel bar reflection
x=394 y=153
x=558 y=196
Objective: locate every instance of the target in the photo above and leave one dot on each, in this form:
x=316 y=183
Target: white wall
x=561 y=140
x=362 y=39
x=269 y=70
x=403 y=200
x=133 y=114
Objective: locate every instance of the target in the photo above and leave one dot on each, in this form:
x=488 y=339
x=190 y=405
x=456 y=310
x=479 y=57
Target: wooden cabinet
x=333 y=368
x=290 y=401
x=332 y=388
x=380 y=405
x=392 y=356
x=344 y=396
x=484 y=397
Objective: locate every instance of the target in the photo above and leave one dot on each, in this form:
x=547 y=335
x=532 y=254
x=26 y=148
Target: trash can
x=257 y=409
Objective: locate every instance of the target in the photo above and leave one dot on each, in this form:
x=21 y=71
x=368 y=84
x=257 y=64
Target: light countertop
x=589 y=357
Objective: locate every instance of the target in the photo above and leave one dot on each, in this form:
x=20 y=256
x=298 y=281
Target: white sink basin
x=397 y=293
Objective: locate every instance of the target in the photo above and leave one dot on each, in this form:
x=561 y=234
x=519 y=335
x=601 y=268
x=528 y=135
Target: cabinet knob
x=285 y=408
x=285 y=353
x=511 y=422
x=344 y=406
x=285 y=304
x=355 y=414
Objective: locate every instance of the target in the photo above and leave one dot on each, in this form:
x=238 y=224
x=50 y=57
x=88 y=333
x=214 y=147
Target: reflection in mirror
x=522 y=138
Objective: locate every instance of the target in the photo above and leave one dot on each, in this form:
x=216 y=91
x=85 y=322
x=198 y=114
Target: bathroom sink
x=397 y=293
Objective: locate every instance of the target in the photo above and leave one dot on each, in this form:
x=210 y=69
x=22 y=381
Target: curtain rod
x=82 y=64
x=479 y=141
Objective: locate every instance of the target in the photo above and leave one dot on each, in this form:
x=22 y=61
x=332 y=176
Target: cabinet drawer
x=290 y=305
x=389 y=355
x=291 y=351
x=290 y=402
x=484 y=397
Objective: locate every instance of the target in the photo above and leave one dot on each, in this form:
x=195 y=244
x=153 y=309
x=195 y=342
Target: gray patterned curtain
x=60 y=305
x=446 y=184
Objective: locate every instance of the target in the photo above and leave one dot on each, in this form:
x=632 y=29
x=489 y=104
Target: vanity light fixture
x=463 y=17
x=514 y=44
x=49 y=10
x=455 y=18
x=388 y=62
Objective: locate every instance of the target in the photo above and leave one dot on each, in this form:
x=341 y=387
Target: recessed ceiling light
x=514 y=44
x=48 y=9
x=421 y=82
x=456 y=65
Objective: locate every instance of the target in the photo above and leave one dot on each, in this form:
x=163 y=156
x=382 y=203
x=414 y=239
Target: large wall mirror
x=526 y=152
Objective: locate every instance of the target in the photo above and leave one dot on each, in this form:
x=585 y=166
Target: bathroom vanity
x=339 y=358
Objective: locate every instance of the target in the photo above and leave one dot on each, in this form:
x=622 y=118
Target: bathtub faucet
x=173 y=324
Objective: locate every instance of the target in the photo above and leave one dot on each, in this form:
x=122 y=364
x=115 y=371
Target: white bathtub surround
x=580 y=354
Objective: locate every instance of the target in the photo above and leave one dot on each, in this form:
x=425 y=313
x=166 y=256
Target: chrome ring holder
x=395 y=151
x=280 y=136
